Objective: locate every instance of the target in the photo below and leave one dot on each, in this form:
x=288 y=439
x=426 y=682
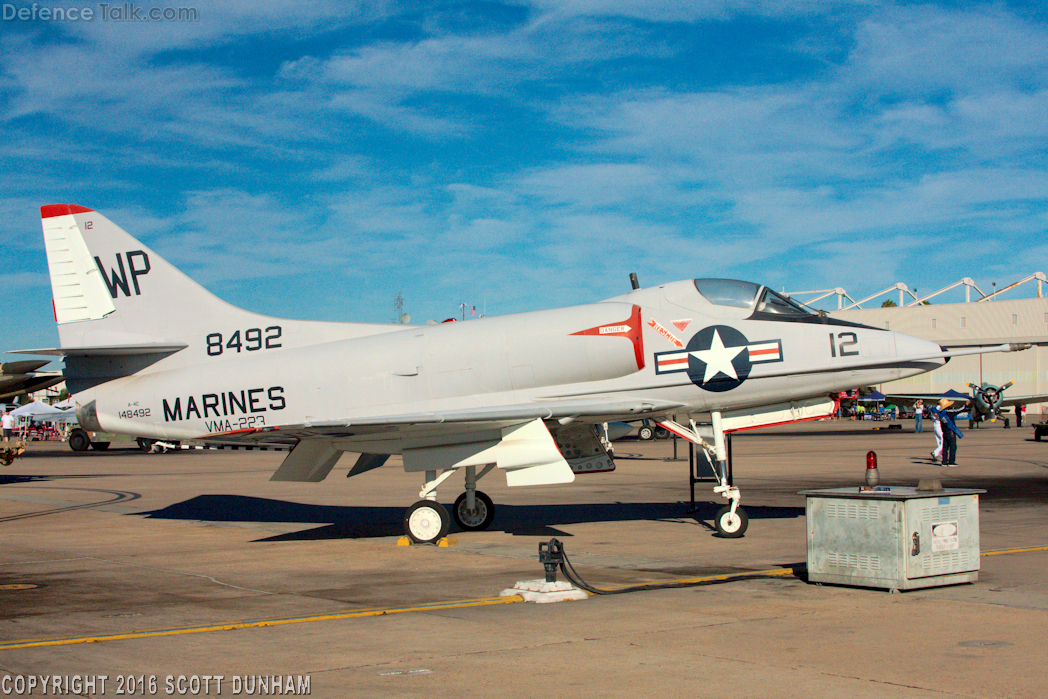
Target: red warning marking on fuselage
x=629 y=328
x=681 y=324
x=665 y=333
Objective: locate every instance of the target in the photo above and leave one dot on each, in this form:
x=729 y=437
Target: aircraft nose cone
x=910 y=346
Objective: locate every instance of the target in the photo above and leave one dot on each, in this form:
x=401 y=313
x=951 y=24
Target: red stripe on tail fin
x=52 y=210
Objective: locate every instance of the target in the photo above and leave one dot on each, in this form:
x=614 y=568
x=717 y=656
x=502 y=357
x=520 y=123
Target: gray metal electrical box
x=897 y=538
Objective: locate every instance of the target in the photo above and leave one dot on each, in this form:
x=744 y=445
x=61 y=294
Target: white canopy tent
x=42 y=412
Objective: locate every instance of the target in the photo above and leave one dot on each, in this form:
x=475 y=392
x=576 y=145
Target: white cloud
x=920 y=50
x=522 y=159
x=672 y=11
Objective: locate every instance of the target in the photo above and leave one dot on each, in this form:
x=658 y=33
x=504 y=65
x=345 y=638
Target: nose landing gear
x=731 y=521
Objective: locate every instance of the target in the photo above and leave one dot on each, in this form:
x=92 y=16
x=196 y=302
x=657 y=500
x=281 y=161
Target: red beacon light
x=873 y=476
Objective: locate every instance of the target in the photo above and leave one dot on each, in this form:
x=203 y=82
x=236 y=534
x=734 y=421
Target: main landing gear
x=427 y=521
x=731 y=520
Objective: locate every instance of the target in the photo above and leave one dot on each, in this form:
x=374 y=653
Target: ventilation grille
x=851 y=510
x=853 y=561
x=943 y=512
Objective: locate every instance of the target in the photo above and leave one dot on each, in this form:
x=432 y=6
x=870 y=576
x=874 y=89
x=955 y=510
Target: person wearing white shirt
x=936 y=418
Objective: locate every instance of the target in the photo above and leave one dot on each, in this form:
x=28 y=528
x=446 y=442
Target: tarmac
x=191 y=574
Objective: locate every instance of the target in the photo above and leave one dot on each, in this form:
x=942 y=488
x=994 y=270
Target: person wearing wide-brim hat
x=950 y=431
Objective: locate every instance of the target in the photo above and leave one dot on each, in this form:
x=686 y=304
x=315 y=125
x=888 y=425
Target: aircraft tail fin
x=111 y=290
x=121 y=308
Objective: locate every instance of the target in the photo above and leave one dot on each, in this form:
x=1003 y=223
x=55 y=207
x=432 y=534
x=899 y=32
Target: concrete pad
x=306 y=580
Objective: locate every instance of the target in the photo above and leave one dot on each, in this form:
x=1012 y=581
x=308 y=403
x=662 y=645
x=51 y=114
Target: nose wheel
x=426 y=522
x=729 y=524
x=479 y=517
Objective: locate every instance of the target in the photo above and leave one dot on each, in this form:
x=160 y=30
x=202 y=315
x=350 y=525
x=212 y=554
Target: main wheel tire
x=477 y=520
x=145 y=445
x=79 y=440
x=426 y=522
x=99 y=446
x=646 y=433
x=731 y=526
x=662 y=433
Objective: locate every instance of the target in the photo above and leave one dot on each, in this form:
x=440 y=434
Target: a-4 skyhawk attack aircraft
x=150 y=353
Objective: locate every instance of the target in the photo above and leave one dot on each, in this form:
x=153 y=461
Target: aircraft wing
x=513 y=437
x=928 y=398
x=20 y=384
x=1017 y=400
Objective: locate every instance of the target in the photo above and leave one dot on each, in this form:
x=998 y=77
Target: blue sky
x=312 y=160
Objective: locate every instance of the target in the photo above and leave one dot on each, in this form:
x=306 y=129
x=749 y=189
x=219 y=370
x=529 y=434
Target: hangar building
x=986 y=322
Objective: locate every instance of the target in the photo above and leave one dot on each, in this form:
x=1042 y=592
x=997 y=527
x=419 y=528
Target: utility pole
x=399 y=316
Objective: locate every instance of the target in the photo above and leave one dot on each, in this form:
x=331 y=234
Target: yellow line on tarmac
x=1004 y=551
x=232 y=626
x=461 y=604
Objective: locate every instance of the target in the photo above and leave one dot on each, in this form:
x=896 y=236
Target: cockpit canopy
x=762 y=300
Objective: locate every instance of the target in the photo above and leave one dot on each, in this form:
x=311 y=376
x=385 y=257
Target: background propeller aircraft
x=985 y=402
x=150 y=353
x=21 y=378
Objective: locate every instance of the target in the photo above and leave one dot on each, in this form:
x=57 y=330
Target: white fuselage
x=666 y=343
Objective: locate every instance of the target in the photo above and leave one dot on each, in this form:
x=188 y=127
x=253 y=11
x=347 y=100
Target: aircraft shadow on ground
x=130 y=449
x=352 y=522
x=13 y=478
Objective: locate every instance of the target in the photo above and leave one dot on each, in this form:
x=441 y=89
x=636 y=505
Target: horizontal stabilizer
x=89 y=366
x=105 y=350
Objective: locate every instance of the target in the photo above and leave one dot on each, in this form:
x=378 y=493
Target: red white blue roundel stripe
x=759 y=353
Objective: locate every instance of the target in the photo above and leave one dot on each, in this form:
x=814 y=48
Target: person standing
x=1019 y=409
x=918 y=415
x=950 y=432
x=935 y=413
x=7 y=424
